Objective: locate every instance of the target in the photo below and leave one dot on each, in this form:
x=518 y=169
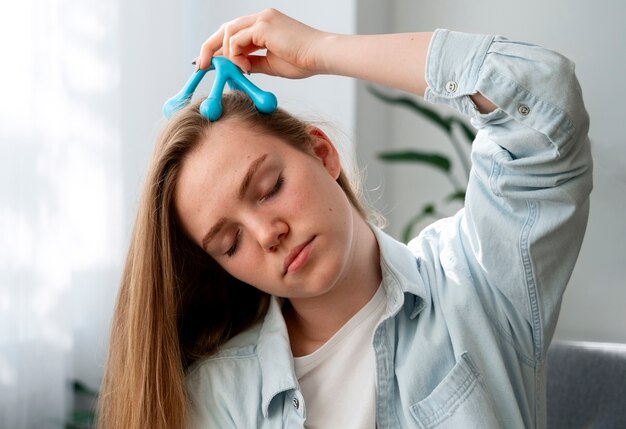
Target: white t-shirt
x=338 y=379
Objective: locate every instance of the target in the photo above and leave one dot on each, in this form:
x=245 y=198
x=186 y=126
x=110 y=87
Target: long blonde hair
x=175 y=304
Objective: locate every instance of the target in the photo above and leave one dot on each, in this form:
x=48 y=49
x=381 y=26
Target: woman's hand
x=295 y=50
x=291 y=45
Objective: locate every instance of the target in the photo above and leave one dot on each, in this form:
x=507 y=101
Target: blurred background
x=83 y=83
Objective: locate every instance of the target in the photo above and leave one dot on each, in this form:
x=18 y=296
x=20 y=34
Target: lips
x=297 y=257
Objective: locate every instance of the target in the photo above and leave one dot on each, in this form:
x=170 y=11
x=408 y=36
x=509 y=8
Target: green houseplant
x=456 y=130
x=83 y=415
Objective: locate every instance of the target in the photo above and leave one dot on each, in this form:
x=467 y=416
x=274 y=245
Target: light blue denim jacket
x=474 y=299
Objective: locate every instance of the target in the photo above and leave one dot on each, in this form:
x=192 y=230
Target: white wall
x=593 y=35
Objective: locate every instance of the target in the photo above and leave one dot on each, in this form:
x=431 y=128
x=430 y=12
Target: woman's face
x=269 y=214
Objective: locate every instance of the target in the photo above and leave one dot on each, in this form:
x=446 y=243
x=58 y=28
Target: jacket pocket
x=459 y=401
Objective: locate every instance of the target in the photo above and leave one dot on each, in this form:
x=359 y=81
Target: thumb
x=260 y=64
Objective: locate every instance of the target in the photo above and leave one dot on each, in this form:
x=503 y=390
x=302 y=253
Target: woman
x=257 y=294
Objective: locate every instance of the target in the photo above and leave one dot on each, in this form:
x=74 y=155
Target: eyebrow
x=254 y=166
x=245 y=184
x=213 y=232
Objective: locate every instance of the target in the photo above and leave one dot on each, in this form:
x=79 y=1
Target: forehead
x=212 y=173
x=230 y=146
x=224 y=155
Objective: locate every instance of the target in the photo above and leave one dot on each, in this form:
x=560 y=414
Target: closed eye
x=275 y=189
x=231 y=251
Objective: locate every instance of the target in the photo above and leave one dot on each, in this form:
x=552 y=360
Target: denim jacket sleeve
x=527 y=200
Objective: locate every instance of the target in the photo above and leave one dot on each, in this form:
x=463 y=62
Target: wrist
x=324 y=58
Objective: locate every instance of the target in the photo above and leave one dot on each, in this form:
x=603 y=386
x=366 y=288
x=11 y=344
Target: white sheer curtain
x=61 y=227
x=82 y=83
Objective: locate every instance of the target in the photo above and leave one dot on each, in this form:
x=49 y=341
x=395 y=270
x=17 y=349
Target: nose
x=270 y=233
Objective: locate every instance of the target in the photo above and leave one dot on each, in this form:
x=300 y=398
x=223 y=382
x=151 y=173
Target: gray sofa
x=586 y=385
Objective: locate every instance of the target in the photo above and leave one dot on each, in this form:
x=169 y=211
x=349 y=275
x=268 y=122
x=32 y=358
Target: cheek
x=313 y=193
x=300 y=201
x=331 y=203
x=247 y=266
x=240 y=267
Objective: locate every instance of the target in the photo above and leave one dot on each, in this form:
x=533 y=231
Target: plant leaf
x=84 y=418
x=407 y=232
x=458 y=195
x=410 y=103
x=468 y=131
x=438 y=161
x=80 y=388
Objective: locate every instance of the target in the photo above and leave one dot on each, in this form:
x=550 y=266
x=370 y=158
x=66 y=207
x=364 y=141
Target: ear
x=325 y=151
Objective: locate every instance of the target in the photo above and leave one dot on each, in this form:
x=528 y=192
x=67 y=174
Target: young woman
x=257 y=294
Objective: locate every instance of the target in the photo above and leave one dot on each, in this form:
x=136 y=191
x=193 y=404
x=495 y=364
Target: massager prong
x=183 y=97
x=211 y=108
x=264 y=101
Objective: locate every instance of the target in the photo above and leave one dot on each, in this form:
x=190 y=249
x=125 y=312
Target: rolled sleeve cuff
x=453 y=64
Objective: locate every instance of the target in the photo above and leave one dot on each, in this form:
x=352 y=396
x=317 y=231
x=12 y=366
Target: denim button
x=523 y=109
x=451 y=86
x=296 y=403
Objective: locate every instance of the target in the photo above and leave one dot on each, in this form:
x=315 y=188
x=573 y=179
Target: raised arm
x=527 y=200
x=295 y=50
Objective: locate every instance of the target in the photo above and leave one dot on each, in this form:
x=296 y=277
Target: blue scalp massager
x=211 y=108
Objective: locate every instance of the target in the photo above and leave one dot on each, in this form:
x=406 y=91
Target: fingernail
x=196 y=62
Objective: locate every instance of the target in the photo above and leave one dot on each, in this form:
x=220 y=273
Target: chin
x=331 y=275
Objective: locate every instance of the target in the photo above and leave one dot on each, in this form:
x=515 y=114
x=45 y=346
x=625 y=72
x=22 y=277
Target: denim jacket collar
x=401 y=276
x=275 y=357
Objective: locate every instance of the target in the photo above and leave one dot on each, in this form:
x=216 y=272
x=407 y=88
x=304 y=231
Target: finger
x=241 y=43
x=234 y=27
x=240 y=46
x=209 y=48
x=215 y=42
x=260 y=64
x=271 y=65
